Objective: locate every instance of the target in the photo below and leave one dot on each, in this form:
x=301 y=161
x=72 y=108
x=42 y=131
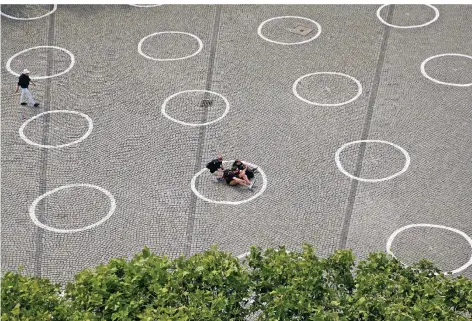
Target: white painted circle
x=423 y=71
x=263 y=188
x=259 y=31
x=32 y=209
x=295 y=84
x=468 y=239
x=436 y=16
x=163 y=108
x=145 y=5
x=200 y=46
x=242 y=256
x=34 y=18
x=371 y=180
x=72 y=61
x=27 y=140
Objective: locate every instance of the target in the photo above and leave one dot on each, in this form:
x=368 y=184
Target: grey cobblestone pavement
x=147 y=161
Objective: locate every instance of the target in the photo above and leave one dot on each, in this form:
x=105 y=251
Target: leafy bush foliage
x=272 y=285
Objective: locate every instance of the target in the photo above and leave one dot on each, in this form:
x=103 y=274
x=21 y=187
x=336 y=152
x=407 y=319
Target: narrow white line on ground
x=27 y=140
x=32 y=209
x=468 y=239
x=371 y=180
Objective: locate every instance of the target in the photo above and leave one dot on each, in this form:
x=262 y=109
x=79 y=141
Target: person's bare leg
x=243 y=176
x=239 y=181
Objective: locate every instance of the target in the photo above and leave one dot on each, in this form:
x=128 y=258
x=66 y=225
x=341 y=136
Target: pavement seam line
x=40 y=233
x=202 y=130
x=365 y=131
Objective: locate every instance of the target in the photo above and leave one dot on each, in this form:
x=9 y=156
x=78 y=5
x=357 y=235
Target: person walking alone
x=23 y=82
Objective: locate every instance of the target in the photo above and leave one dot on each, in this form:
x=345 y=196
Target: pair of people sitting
x=239 y=174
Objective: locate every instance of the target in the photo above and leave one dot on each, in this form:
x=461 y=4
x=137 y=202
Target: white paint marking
x=371 y=180
x=259 y=31
x=295 y=92
x=436 y=16
x=263 y=188
x=145 y=5
x=72 y=58
x=89 y=131
x=242 y=256
x=468 y=239
x=35 y=220
x=33 y=18
x=200 y=46
x=163 y=108
x=423 y=71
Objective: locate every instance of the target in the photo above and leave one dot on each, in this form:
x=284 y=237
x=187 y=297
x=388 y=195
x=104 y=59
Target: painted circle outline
x=371 y=180
x=71 y=55
x=263 y=188
x=163 y=107
x=259 y=31
x=436 y=16
x=53 y=229
x=467 y=238
x=358 y=83
x=28 y=141
x=423 y=71
x=145 y=5
x=200 y=46
x=34 y=18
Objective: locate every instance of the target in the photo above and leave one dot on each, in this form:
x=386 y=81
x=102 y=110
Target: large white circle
x=89 y=131
x=32 y=209
x=423 y=71
x=259 y=31
x=200 y=46
x=371 y=180
x=163 y=108
x=436 y=16
x=72 y=61
x=295 y=84
x=145 y=5
x=263 y=188
x=34 y=18
x=468 y=239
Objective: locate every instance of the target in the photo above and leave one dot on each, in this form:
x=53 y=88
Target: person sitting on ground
x=245 y=170
x=232 y=179
x=216 y=165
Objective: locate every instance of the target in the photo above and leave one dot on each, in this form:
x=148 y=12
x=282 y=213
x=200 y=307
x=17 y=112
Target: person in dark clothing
x=231 y=178
x=216 y=165
x=244 y=170
x=23 y=82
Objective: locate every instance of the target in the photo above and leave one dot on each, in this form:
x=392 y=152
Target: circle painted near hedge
x=27 y=140
x=259 y=30
x=33 y=18
x=467 y=238
x=166 y=101
x=72 y=61
x=371 y=180
x=196 y=192
x=436 y=16
x=200 y=45
x=423 y=71
x=295 y=84
x=32 y=209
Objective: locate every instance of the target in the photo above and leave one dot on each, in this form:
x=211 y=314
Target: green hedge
x=269 y=285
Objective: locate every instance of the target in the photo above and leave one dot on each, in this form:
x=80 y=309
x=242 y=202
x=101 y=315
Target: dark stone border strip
x=40 y=233
x=201 y=136
x=365 y=131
